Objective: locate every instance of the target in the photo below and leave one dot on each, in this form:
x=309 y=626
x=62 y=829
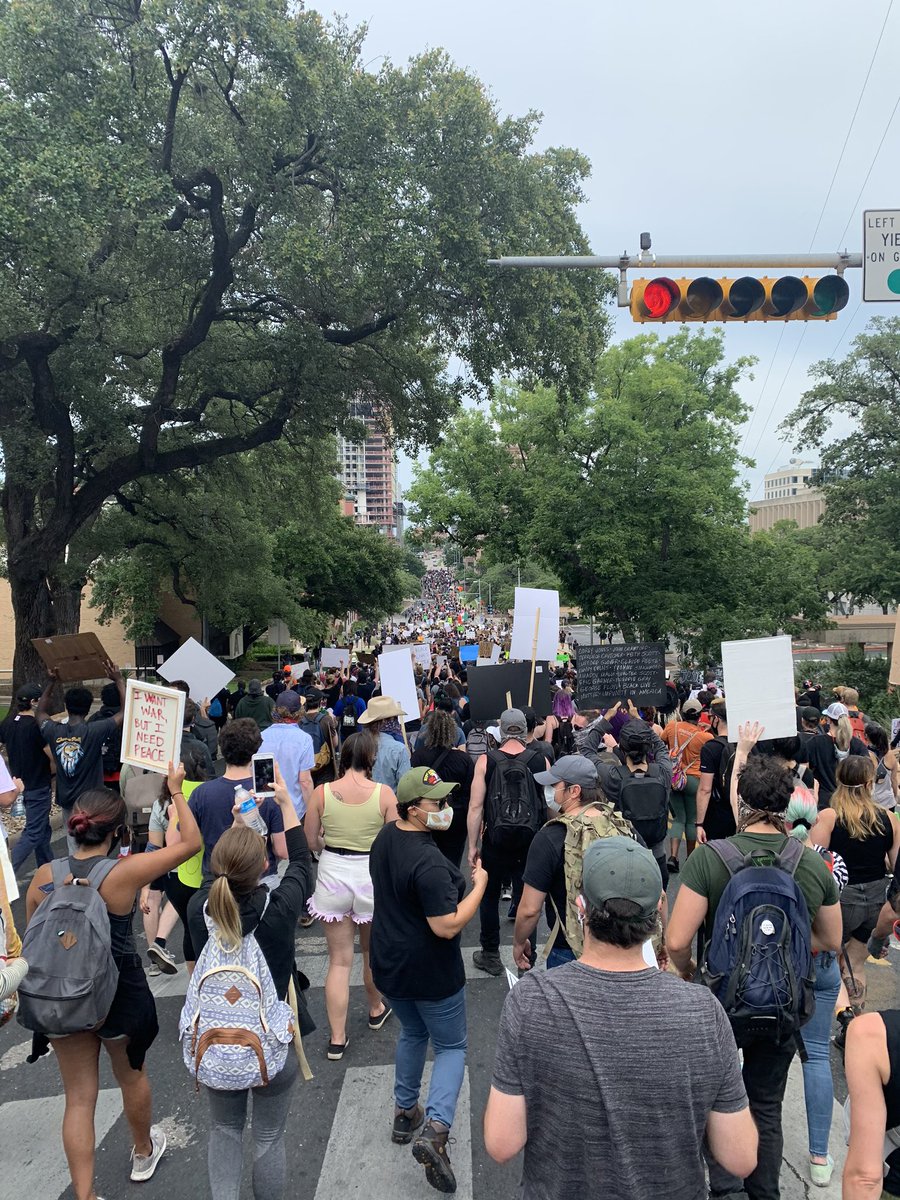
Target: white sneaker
x=163 y=957
x=143 y=1167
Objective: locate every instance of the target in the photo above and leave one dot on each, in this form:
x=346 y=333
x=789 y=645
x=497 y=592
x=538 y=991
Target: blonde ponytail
x=225 y=915
x=238 y=860
x=844 y=734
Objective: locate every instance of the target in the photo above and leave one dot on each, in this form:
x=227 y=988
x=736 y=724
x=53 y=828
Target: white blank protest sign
x=528 y=602
x=151 y=726
x=298 y=669
x=759 y=685
x=399 y=682
x=200 y=670
x=335 y=657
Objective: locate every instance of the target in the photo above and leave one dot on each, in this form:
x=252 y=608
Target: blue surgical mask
x=550 y=798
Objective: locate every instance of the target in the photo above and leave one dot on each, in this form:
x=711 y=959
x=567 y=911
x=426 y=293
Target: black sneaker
x=430 y=1149
x=406 y=1122
x=672 y=864
x=489 y=961
x=336 y=1050
x=377 y=1022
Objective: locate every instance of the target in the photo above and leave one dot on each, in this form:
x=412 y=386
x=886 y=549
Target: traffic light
x=789 y=298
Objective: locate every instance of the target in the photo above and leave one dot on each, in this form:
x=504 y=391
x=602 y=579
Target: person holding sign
x=98 y=827
x=77 y=745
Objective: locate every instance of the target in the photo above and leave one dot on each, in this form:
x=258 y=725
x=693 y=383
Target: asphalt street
x=338 y=1143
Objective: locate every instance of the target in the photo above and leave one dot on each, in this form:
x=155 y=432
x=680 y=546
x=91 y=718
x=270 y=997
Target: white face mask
x=550 y=798
x=440 y=820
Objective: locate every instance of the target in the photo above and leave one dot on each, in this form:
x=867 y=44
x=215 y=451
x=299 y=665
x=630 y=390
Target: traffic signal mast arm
x=787 y=298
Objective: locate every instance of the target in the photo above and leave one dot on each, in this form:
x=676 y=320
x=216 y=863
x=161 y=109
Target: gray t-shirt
x=620 y=1072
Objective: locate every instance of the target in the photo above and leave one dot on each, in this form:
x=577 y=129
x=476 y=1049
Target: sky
x=718 y=127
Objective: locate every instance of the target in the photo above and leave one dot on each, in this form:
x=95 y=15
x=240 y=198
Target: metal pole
x=626 y=262
x=592 y=629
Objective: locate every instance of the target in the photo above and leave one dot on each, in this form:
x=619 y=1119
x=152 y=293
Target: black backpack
x=565 y=737
x=349 y=719
x=644 y=801
x=514 y=808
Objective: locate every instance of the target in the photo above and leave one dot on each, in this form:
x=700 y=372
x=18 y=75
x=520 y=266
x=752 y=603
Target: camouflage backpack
x=598 y=821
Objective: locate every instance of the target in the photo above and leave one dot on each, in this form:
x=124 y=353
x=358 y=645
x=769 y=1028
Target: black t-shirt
x=719 y=820
x=545 y=872
x=27 y=759
x=78 y=750
x=822 y=756
x=544 y=748
x=455 y=766
x=412 y=880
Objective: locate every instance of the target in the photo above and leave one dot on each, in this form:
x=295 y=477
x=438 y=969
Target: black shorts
x=159 y=884
x=860 y=905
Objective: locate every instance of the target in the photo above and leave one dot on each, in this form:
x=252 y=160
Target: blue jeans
x=556 y=958
x=443 y=1022
x=818 y=1087
x=36 y=835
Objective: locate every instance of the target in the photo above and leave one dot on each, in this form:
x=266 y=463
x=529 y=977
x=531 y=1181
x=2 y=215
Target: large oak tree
x=219 y=226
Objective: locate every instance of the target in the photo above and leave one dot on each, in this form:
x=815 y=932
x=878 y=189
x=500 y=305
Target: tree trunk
x=41 y=608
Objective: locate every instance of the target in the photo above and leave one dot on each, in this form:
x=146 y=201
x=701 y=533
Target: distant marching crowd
x=666 y=1030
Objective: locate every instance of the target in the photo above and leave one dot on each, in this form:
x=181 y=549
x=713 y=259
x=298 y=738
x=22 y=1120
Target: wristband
x=698 y=824
x=174 y=794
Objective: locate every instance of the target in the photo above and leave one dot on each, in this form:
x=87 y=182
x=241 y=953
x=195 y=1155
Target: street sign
x=881 y=254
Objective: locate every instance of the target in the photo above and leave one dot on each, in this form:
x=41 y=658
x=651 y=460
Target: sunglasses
x=442 y=803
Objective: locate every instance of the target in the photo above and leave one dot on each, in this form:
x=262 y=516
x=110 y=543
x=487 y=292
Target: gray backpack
x=72 y=976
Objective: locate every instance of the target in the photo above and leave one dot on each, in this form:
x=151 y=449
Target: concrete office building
x=788 y=496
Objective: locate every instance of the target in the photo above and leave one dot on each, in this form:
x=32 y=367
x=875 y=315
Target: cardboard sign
x=152 y=726
x=758 y=677
x=530 y=601
x=200 y=670
x=488 y=686
x=335 y=657
x=399 y=682
x=633 y=671
x=894 y=673
x=73 y=655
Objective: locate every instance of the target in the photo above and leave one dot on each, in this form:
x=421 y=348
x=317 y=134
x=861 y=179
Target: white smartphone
x=263 y=766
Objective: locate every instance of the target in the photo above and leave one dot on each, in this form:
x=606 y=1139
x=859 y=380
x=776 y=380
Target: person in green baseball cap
x=420 y=909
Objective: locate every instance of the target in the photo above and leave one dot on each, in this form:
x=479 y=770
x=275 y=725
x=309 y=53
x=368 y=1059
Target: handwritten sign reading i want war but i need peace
x=151 y=730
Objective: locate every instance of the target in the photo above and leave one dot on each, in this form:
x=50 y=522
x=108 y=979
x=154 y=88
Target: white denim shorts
x=343 y=888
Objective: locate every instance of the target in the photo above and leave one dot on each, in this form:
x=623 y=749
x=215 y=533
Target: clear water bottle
x=18 y=808
x=249 y=810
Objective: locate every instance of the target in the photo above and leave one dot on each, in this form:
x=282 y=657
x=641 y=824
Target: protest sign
x=152 y=726
x=526 y=623
x=468 y=653
x=398 y=682
x=633 y=671
x=9 y=877
x=758 y=677
x=73 y=656
x=422 y=655
x=200 y=670
x=297 y=669
x=489 y=686
x=894 y=672
x=335 y=657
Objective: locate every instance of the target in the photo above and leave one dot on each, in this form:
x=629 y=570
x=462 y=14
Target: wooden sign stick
x=537 y=625
x=509 y=699
x=405 y=738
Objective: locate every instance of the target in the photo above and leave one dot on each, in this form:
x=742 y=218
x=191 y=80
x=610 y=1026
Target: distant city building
x=368 y=474
x=788 y=496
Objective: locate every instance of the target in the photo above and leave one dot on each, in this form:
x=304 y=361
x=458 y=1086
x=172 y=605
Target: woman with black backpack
x=99 y=827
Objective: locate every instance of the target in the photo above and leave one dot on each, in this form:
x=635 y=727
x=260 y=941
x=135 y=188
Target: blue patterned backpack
x=234 y=1031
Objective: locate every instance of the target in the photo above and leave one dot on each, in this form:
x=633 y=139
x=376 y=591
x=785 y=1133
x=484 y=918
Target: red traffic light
x=661 y=296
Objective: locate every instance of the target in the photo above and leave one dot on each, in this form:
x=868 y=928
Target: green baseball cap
x=422 y=783
x=618 y=868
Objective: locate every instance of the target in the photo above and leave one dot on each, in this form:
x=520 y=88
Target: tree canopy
x=220 y=229
x=632 y=499
x=859 y=469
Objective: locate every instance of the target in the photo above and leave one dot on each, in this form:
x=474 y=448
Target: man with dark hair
x=110 y=704
x=292 y=749
x=77 y=746
x=714 y=816
x=764 y=789
x=212 y=802
x=645 y=760
x=605 y=1004
x=29 y=762
x=191 y=745
x=531 y=724
x=322 y=729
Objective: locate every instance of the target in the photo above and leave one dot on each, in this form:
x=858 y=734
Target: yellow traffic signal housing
x=788 y=298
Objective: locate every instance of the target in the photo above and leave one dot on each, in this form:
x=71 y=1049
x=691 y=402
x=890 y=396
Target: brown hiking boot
x=430 y=1149
x=406 y=1122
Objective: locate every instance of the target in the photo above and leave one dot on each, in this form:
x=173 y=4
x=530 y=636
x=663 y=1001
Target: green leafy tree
x=633 y=499
x=859 y=471
x=219 y=225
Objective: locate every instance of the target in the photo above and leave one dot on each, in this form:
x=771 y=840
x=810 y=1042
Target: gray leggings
x=226 y=1135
